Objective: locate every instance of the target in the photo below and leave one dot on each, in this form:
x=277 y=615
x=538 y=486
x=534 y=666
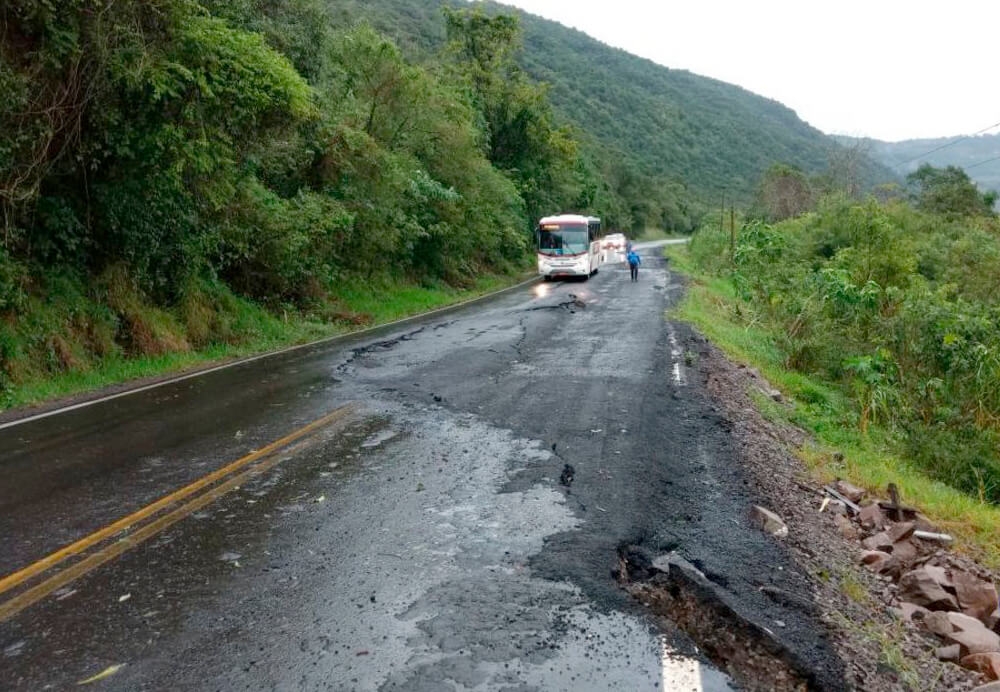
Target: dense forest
x=177 y=174
x=893 y=301
x=666 y=137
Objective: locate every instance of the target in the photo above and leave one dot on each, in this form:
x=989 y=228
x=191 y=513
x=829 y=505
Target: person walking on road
x=633 y=264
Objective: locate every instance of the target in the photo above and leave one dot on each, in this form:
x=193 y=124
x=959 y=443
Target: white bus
x=569 y=245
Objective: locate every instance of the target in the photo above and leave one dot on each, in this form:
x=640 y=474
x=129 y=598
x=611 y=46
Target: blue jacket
x=633 y=257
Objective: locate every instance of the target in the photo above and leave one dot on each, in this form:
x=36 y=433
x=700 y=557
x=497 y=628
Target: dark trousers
x=634 y=271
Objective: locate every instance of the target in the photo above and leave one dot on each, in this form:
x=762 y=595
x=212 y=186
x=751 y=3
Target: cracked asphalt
x=456 y=529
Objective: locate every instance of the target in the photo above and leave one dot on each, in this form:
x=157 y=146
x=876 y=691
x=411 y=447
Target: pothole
x=673 y=588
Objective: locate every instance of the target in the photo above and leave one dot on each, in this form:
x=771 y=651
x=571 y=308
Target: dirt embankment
x=883 y=644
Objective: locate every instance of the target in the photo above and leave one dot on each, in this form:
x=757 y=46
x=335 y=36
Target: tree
x=521 y=137
x=847 y=167
x=784 y=193
x=948 y=191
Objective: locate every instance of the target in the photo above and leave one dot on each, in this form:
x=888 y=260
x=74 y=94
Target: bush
x=963 y=457
x=13 y=284
x=896 y=306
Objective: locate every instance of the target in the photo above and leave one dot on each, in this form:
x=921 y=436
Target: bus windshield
x=563 y=240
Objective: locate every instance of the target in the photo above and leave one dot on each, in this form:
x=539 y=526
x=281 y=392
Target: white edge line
x=250 y=359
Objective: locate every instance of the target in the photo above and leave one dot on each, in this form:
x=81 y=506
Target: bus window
x=562 y=240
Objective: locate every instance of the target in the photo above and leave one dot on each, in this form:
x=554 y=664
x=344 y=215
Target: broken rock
x=923 y=587
x=963 y=622
x=981 y=641
x=836 y=507
x=901 y=531
x=880 y=541
x=940 y=575
x=871 y=517
x=987 y=664
x=938 y=623
x=904 y=552
x=976 y=597
x=879 y=562
x=851 y=492
x=911 y=610
x=845 y=526
x=871 y=557
x=768 y=521
x=948 y=653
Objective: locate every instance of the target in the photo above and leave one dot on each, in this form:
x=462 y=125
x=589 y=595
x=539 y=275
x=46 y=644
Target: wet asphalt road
x=425 y=540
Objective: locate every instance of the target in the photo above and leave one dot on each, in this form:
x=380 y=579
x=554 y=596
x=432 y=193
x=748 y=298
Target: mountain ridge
x=969 y=152
x=714 y=138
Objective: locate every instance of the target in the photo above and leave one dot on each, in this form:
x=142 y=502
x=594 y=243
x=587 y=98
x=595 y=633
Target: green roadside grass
x=385 y=301
x=837 y=449
x=258 y=331
x=657 y=234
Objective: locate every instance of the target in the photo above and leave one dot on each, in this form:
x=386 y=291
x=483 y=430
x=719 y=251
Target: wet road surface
x=438 y=508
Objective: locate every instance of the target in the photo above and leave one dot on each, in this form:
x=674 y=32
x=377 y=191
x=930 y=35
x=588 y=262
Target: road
x=436 y=508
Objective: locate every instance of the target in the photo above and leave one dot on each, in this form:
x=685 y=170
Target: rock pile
x=933 y=590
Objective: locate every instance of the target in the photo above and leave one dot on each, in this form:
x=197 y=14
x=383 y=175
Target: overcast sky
x=879 y=68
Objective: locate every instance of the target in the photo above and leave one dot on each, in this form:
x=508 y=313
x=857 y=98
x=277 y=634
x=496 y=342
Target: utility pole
x=722 y=216
x=732 y=231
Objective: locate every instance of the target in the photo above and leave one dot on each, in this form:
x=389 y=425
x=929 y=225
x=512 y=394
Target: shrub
x=896 y=306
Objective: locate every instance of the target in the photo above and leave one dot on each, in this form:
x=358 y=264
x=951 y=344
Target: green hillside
x=710 y=134
x=706 y=135
x=979 y=155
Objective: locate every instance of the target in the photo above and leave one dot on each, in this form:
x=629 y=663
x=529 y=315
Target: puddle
x=675 y=354
x=681 y=672
x=373 y=441
x=14 y=649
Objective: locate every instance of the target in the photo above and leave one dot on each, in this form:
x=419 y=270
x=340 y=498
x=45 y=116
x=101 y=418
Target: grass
x=854 y=589
x=119 y=369
x=252 y=331
x=887 y=640
x=386 y=301
x=870 y=460
x=658 y=234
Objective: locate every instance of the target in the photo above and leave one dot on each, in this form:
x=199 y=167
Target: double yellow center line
x=217 y=483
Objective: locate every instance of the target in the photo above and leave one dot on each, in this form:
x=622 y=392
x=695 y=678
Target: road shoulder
x=9 y=417
x=880 y=652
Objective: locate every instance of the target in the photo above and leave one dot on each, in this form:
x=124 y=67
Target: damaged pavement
x=557 y=490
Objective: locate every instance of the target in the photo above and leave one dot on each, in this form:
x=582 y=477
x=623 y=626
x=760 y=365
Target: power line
x=982 y=163
x=949 y=144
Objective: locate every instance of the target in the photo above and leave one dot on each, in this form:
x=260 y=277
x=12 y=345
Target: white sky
x=887 y=69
